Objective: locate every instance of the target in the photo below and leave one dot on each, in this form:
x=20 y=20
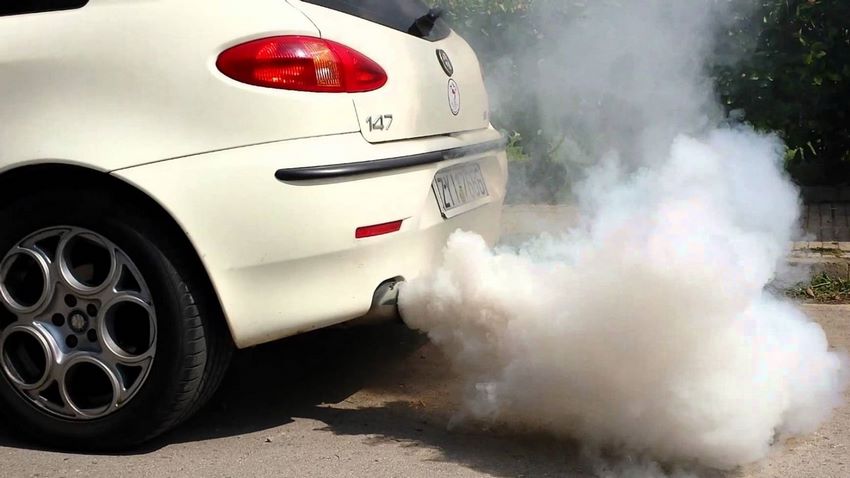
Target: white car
x=181 y=177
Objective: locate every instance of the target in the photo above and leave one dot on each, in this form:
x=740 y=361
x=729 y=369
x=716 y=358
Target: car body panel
x=122 y=83
x=283 y=256
x=130 y=87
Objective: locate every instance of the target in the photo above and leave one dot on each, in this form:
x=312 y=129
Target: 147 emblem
x=380 y=123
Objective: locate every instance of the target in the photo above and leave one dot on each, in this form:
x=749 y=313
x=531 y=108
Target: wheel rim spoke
x=78 y=327
x=26 y=285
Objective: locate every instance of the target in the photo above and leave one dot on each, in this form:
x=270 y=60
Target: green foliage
x=822 y=288
x=782 y=65
x=515 y=149
x=794 y=77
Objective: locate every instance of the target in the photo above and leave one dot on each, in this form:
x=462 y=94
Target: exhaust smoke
x=646 y=327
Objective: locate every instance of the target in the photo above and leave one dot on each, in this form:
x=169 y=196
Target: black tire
x=193 y=345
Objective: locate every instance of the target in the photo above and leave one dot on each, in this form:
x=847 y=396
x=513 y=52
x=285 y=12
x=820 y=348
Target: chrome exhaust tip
x=384 y=304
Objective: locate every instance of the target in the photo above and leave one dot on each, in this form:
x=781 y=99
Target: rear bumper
x=281 y=251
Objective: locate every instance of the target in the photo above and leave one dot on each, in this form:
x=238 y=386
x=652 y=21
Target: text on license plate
x=460 y=189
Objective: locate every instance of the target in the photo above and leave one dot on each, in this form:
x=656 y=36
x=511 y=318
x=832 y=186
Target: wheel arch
x=45 y=176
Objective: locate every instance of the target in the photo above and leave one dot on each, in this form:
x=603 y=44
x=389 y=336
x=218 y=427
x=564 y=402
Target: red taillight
x=301 y=63
x=377 y=229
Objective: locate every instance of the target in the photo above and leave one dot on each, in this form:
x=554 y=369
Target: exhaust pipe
x=384 y=304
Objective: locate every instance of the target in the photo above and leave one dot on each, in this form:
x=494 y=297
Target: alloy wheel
x=78 y=333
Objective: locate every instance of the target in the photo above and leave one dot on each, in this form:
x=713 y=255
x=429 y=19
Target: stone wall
x=825 y=215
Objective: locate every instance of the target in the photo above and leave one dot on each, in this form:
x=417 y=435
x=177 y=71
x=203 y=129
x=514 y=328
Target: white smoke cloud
x=647 y=326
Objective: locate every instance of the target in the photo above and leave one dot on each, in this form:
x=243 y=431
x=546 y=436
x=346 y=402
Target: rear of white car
x=308 y=153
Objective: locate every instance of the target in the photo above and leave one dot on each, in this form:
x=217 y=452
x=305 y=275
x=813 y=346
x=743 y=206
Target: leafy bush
x=796 y=80
x=782 y=66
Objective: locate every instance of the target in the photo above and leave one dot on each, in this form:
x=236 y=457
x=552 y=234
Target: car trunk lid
x=435 y=85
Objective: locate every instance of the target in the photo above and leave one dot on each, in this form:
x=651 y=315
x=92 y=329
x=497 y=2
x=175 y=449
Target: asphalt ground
x=377 y=402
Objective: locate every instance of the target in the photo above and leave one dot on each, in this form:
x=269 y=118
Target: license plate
x=459 y=189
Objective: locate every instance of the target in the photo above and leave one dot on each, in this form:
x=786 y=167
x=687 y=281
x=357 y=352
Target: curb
x=830 y=258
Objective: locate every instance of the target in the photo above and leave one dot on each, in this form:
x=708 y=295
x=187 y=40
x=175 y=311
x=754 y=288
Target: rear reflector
x=377 y=229
x=301 y=63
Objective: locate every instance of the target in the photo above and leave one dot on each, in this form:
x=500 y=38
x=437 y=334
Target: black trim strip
x=332 y=171
x=39 y=6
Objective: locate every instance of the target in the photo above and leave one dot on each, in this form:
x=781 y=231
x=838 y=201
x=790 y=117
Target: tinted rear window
x=17 y=7
x=401 y=15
